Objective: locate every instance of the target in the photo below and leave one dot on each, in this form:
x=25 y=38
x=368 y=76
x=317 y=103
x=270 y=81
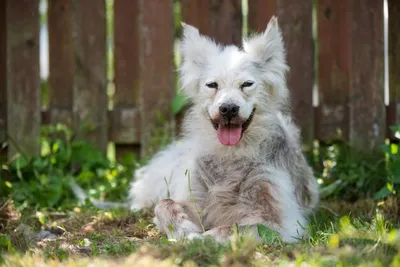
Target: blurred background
x=108 y=66
x=89 y=92
x=87 y=84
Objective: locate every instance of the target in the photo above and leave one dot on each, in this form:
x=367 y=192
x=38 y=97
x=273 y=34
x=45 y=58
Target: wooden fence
x=345 y=60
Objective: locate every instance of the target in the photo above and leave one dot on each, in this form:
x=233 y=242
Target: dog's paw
x=172 y=220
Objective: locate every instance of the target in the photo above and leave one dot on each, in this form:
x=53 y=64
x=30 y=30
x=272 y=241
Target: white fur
x=204 y=61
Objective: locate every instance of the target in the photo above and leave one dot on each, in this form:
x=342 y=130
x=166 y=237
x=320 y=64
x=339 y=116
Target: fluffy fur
x=263 y=179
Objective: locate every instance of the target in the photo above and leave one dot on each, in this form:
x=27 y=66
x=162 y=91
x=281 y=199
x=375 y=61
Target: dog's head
x=234 y=85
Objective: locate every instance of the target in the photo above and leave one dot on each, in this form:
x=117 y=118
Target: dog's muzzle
x=230 y=127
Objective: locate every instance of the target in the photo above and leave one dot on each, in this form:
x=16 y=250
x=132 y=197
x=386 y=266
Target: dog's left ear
x=268 y=51
x=268 y=45
x=196 y=51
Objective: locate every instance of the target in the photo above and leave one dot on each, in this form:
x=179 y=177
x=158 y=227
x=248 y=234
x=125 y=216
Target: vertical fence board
x=197 y=13
x=295 y=20
x=367 y=109
x=334 y=69
x=156 y=66
x=394 y=63
x=89 y=95
x=126 y=65
x=23 y=92
x=61 y=61
x=220 y=19
x=226 y=21
x=3 y=71
x=260 y=12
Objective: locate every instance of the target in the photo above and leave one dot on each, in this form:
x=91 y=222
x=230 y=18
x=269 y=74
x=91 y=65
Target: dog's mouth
x=230 y=132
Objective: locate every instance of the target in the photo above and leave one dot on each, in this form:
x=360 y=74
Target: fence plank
x=367 y=109
x=61 y=61
x=295 y=20
x=334 y=69
x=3 y=71
x=220 y=19
x=394 y=63
x=126 y=65
x=156 y=66
x=194 y=13
x=89 y=96
x=226 y=21
x=23 y=93
x=260 y=12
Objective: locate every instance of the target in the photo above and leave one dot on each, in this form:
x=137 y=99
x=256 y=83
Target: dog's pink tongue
x=229 y=136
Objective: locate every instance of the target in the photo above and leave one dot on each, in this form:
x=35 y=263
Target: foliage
x=392 y=186
x=350 y=174
x=44 y=181
x=347 y=173
x=124 y=239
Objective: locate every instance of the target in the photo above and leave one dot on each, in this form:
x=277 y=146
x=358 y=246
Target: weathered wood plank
x=3 y=71
x=334 y=61
x=394 y=63
x=126 y=66
x=367 y=109
x=296 y=28
x=220 y=19
x=124 y=126
x=126 y=52
x=89 y=95
x=260 y=12
x=295 y=20
x=226 y=21
x=156 y=66
x=61 y=60
x=197 y=13
x=23 y=92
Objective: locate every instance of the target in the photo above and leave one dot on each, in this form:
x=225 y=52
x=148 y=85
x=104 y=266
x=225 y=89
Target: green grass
x=357 y=223
x=339 y=235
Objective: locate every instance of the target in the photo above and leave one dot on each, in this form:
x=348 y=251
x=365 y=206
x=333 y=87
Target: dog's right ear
x=196 y=50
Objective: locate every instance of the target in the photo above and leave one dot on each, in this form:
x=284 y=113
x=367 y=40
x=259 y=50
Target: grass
x=93 y=236
x=340 y=234
x=357 y=223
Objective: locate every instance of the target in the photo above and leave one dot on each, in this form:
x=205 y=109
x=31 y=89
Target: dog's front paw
x=172 y=219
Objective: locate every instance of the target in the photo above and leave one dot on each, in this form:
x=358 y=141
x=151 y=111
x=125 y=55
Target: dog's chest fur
x=225 y=189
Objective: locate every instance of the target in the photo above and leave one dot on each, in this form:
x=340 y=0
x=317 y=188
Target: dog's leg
x=262 y=201
x=176 y=219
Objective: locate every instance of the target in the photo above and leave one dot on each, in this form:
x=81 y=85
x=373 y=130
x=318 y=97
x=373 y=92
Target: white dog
x=240 y=151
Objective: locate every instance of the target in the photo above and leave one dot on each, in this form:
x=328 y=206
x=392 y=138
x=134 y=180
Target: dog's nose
x=228 y=111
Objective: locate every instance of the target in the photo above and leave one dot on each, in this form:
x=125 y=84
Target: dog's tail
x=81 y=195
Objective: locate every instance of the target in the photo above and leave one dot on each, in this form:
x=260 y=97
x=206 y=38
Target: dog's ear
x=268 y=45
x=268 y=51
x=196 y=50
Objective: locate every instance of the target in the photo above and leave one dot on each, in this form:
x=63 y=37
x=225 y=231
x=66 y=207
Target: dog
x=239 y=160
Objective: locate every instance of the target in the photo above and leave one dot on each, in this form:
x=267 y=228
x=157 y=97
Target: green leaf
x=178 y=102
x=395 y=180
x=267 y=234
x=332 y=188
x=389 y=187
x=86 y=154
x=384 y=192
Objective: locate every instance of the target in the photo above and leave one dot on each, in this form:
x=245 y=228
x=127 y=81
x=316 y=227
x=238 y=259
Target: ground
x=341 y=234
x=43 y=224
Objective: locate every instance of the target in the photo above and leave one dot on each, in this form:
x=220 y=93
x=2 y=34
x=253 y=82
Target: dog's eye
x=247 y=84
x=212 y=85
